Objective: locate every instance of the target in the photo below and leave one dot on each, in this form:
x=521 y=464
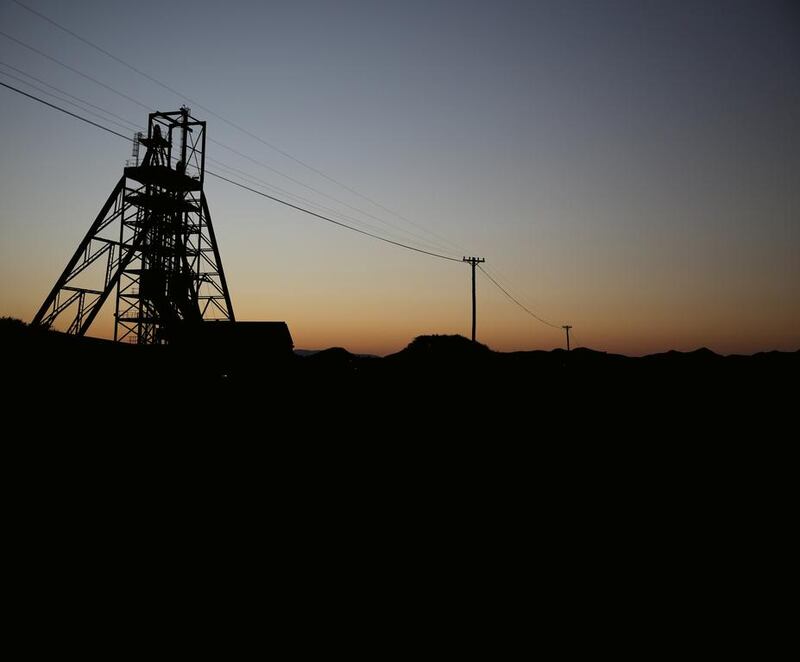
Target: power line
x=504 y=291
x=64 y=110
x=62 y=99
x=330 y=220
x=74 y=70
x=89 y=43
x=256 y=181
x=325 y=195
x=511 y=284
x=293 y=206
x=243 y=186
x=235 y=151
x=284 y=153
x=71 y=96
x=420 y=239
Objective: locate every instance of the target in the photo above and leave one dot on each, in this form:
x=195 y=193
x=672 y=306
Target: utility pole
x=567 y=327
x=474 y=261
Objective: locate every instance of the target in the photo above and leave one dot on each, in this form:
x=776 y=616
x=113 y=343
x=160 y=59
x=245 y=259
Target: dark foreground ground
x=443 y=381
x=574 y=470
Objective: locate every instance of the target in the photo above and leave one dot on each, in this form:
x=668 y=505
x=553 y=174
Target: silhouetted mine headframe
x=153 y=241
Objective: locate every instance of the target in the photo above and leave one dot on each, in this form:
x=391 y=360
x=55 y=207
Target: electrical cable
x=63 y=100
x=64 y=110
x=74 y=70
x=142 y=105
x=256 y=181
x=504 y=291
x=71 y=96
x=244 y=186
x=416 y=237
x=171 y=89
x=326 y=195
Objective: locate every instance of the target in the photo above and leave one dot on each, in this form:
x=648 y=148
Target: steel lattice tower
x=153 y=241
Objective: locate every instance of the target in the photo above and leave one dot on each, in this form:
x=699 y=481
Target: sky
x=629 y=168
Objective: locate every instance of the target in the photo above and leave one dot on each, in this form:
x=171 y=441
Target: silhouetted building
x=244 y=347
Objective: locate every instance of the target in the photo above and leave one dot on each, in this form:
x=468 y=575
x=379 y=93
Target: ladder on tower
x=134 y=160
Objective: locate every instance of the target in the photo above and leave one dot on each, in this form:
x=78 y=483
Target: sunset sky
x=629 y=168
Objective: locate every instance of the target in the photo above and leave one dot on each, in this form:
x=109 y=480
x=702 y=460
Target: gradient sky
x=630 y=168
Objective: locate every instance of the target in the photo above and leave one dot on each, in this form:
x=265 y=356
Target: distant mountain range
x=304 y=353
x=461 y=347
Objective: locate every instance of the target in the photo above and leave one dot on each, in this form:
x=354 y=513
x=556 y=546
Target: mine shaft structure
x=153 y=241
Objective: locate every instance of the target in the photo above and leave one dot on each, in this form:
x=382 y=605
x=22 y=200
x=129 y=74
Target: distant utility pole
x=567 y=327
x=474 y=261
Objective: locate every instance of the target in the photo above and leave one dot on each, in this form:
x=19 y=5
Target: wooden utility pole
x=566 y=328
x=474 y=261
